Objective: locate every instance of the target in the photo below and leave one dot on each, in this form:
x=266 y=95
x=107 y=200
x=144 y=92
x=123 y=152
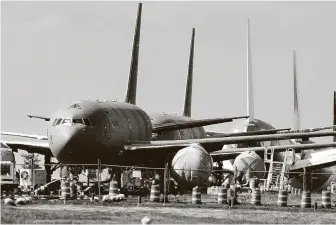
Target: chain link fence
x=134 y=180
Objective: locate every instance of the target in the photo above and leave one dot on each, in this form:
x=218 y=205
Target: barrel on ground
x=256 y=197
x=326 y=199
x=282 y=198
x=306 y=199
x=196 y=196
x=222 y=195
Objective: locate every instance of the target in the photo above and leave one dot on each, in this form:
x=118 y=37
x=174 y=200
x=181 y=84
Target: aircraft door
x=106 y=127
x=115 y=129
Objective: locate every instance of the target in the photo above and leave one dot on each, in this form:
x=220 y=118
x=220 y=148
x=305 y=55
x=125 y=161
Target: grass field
x=178 y=210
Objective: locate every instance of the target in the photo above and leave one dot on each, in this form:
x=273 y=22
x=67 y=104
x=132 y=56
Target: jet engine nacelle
x=192 y=166
x=252 y=161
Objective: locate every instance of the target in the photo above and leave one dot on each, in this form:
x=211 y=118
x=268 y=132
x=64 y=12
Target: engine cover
x=188 y=162
x=252 y=161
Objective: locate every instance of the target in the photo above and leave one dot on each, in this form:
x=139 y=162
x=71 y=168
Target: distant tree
x=27 y=158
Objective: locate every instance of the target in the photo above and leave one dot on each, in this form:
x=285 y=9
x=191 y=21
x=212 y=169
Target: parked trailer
x=9 y=181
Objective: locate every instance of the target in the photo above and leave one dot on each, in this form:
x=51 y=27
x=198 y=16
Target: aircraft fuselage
x=92 y=130
x=320 y=182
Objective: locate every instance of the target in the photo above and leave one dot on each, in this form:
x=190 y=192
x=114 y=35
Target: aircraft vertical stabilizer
x=250 y=96
x=188 y=94
x=297 y=124
x=133 y=75
x=334 y=114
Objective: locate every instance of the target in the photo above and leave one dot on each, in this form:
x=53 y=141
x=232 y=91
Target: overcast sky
x=53 y=53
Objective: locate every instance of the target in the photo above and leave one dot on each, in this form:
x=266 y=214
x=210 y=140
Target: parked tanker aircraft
x=310 y=159
x=121 y=133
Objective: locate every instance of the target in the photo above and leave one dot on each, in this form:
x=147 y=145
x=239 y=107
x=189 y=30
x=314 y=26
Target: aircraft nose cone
x=65 y=140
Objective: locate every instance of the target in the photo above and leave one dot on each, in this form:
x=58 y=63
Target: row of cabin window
x=87 y=122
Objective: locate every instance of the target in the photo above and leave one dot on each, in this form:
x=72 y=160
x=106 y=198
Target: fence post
x=165 y=183
x=61 y=168
x=14 y=173
x=32 y=172
x=234 y=177
x=99 y=178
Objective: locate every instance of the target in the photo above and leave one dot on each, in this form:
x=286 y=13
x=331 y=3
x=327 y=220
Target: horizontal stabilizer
x=317 y=160
x=229 y=153
x=166 y=127
x=214 y=144
x=38 y=137
x=39 y=147
x=39 y=117
x=250 y=133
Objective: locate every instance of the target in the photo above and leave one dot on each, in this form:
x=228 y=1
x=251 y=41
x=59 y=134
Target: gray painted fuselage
x=183 y=134
x=113 y=125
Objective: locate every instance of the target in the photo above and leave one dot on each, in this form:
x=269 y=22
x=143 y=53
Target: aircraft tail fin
x=334 y=114
x=133 y=75
x=188 y=93
x=297 y=124
x=250 y=96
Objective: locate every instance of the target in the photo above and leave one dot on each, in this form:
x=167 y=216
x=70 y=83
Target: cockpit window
x=57 y=121
x=3 y=145
x=54 y=124
x=87 y=122
x=66 y=121
x=80 y=121
x=91 y=122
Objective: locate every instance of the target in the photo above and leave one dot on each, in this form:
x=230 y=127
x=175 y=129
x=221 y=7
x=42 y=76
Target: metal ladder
x=276 y=172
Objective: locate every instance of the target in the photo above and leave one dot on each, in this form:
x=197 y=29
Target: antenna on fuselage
x=188 y=93
x=133 y=75
x=297 y=124
x=250 y=96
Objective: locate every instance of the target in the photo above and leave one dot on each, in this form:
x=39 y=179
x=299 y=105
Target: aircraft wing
x=225 y=154
x=213 y=144
x=192 y=123
x=249 y=133
x=38 y=137
x=270 y=131
x=317 y=160
x=39 y=147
